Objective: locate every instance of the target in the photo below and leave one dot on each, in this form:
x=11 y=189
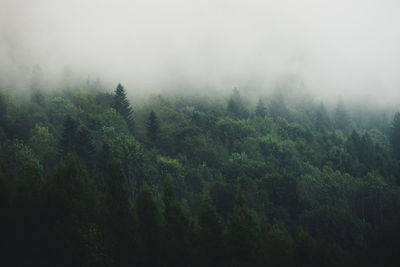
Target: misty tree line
x=88 y=180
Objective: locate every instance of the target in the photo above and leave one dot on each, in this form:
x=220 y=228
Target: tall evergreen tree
x=67 y=143
x=322 y=121
x=71 y=204
x=261 y=110
x=118 y=216
x=84 y=145
x=149 y=228
x=121 y=104
x=211 y=234
x=395 y=138
x=152 y=127
x=278 y=108
x=3 y=113
x=236 y=106
x=242 y=234
x=341 y=117
x=179 y=232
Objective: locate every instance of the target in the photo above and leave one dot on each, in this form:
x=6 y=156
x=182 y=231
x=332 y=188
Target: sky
x=329 y=48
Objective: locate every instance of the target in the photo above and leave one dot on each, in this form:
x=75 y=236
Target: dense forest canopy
x=199 y=133
x=89 y=179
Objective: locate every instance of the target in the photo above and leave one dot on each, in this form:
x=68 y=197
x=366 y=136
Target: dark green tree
x=149 y=228
x=153 y=127
x=36 y=86
x=68 y=138
x=261 y=110
x=71 y=216
x=395 y=135
x=278 y=108
x=3 y=114
x=322 y=121
x=179 y=231
x=341 y=117
x=236 y=106
x=211 y=234
x=84 y=145
x=242 y=234
x=118 y=216
x=121 y=104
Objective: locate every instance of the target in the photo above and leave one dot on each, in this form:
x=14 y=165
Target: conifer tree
x=322 y=120
x=341 y=117
x=67 y=143
x=395 y=135
x=118 y=215
x=211 y=233
x=84 y=145
x=242 y=233
x=149 y=227
x=121 y=104
x=153 y=127
x=261 y=109
x=179 y=232
x=3 y=113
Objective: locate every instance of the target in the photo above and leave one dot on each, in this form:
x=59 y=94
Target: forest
x=89 y=177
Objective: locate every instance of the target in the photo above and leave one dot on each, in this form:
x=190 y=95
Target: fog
x=328 y=48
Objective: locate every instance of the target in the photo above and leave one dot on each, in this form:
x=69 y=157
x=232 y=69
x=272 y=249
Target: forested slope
x=86 y=179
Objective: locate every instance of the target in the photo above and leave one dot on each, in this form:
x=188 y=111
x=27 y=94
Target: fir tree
x=179 y=232
x=3 y=113
x=395 y=135
x=149 y=227
x=84 y=145
x=341 y=117
x=153 y=127
x=121 y=104
x=211 y=233
x=322 y=121
x=67 y=143
x=260 y=109
x=118 y=215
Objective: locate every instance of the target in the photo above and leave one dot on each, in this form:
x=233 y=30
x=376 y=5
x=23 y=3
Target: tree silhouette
x=395 y=135
x=67 y=143
x=121 y=104
x=84 y=145
x=153 y=127
x=341 y=117
x=261 y=109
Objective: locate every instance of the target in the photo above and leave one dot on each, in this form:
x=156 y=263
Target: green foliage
x=341 y=117
x=149 y=229
x=214 y=186
x=153 y=128
x=261 y=110
x=122 y=106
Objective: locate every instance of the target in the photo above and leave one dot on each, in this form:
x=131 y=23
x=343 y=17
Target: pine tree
x=179 y=229
x=118 y=215
x=322 y=121
x=395 y=135
x=84 y=145
x=3 y=113
x=67 y=143
x=242 y=234
x=341 y=117
x=121 y=104
x=153 y=127
x=149 y=228
x=236 y=106
x=211 y=234
x=260 y=109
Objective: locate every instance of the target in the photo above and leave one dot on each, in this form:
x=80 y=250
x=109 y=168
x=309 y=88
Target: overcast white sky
x=347 y=47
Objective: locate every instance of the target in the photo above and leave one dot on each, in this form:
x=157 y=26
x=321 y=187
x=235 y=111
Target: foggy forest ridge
x=340 y=48
x=179 y=133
